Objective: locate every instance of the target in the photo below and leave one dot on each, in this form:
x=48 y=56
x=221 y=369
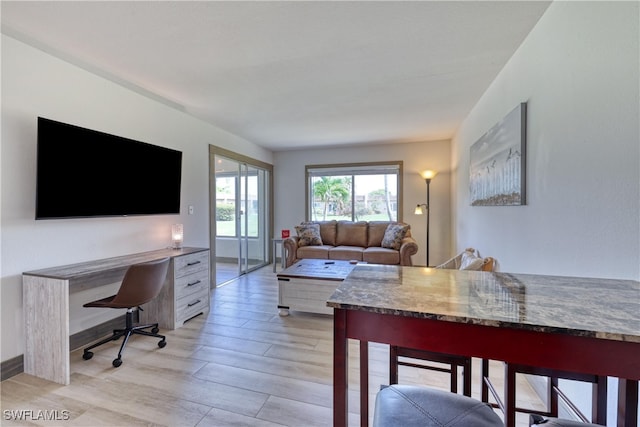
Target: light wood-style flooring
x=242 y=365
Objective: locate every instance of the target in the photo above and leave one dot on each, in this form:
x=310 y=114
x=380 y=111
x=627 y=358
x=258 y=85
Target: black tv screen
x=86 y=173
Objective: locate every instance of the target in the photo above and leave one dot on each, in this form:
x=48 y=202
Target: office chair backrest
x=141 y=284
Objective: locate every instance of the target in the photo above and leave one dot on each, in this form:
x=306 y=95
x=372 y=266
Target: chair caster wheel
x=155 y=330
x=87 y=355
x=117 y=362
x=162 y=343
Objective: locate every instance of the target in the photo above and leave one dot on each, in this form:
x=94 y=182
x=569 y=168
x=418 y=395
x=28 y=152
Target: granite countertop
x=601 y=308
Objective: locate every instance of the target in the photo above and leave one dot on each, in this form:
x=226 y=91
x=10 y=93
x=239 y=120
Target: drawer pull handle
x=189 y=264
x=194 y=283
x=193 y=303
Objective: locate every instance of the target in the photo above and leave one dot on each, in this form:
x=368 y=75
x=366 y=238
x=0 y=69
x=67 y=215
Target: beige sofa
x=346 y=240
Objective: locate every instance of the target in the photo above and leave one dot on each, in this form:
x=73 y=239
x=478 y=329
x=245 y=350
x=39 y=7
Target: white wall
x=289 y=186
x=578 y=70
x=37 y=84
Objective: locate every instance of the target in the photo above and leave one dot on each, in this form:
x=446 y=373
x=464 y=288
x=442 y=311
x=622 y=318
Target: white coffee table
x=308 y=284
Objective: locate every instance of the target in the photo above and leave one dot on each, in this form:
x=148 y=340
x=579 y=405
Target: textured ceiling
x=293 y=74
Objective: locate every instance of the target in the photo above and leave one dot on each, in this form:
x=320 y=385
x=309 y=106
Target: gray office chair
x=141 y=284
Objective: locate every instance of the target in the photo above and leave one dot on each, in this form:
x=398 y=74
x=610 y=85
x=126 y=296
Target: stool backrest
x=141 y=283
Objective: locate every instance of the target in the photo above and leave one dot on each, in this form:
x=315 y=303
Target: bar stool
x=554 y=394
x=413 y=406
x=451 y=360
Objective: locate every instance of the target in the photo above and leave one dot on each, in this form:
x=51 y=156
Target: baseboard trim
x=15 y=366
x=228 y=260
x=96 y=332
x=11 y=367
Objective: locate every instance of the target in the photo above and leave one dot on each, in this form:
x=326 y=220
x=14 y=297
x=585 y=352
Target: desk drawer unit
x=192 y=290
x=185 y=293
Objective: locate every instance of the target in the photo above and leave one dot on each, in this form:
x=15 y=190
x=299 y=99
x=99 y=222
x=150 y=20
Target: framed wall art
x=497 y=162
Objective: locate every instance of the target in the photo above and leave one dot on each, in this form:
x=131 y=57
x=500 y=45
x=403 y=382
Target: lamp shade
x=177 y=235
x=418 y=210
x=429 y=174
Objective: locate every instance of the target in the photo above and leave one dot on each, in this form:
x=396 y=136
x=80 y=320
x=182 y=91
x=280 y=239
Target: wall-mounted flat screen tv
x=86 y=173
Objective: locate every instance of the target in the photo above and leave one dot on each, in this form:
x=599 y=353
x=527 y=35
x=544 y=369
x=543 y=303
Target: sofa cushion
x=308 y=235
x=393 y=236
x=327 y=231
x=376 y=233
x=314 y=252
x=381 y=256
x=346 y=253
x=352 y=233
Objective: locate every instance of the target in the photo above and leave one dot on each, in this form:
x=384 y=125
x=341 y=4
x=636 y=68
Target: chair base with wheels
x=129 y=330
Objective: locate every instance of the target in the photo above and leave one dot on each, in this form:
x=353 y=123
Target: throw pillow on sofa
x=393 y=236
x=327 y=231
x=309 y=235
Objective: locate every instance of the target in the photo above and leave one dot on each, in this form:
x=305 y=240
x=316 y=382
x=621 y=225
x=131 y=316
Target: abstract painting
x=497 y=162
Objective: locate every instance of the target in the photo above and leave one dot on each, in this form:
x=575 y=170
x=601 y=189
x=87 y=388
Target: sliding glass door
x=241 y=218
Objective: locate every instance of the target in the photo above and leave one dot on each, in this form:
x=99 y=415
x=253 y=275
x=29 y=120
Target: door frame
x=213 y=151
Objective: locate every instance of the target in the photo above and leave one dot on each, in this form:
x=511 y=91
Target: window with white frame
x=354 y=192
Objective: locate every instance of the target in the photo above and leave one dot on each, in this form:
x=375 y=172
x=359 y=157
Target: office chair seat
x=141 y=284
x=104 y=302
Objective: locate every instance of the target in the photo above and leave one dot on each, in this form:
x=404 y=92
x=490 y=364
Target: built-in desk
x=46 y=301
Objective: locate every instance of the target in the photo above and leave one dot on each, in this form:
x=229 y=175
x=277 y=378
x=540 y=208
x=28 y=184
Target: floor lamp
x=428 y=176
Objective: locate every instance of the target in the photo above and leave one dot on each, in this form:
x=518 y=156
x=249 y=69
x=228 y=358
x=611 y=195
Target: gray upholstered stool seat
x=557 y=422
x=408 y=406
